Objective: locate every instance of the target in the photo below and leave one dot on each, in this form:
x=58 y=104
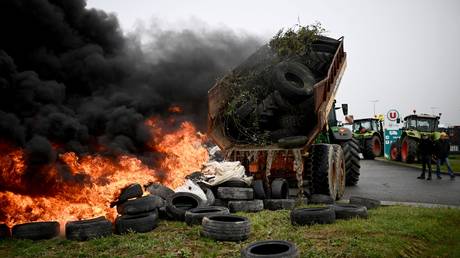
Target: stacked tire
x=279 y=197
x=240 y=199
x=137 y=213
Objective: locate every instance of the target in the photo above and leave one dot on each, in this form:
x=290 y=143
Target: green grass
x=389 y=232
x=453 y=159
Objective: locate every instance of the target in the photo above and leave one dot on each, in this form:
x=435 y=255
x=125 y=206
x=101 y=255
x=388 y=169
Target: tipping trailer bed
x=271 y=161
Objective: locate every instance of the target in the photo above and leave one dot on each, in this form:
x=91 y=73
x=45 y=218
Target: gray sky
x=406 y=54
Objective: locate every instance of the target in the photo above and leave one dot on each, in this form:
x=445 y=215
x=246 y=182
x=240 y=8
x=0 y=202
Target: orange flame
x=101 y=177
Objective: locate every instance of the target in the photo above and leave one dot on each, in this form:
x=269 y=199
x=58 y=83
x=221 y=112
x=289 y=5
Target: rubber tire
x=36 y=230
x=310 y=216
x=259 y=189
x=234 y=183
x=221 y=203
x=368 y=151
x=290 y=121
x=367 y=202
x=210 y=197
x=395 y=152
x=289 y=89
x=195 y=216
x=159 y=190
x=322 y=165
x=176 y=210
x=321 y=199
x=411 y=154
x=339 y=163
x=140 y=223
x=235 y=193
x=129 y=192
x=5 y=231
x=140 y=205
x=246 y=206
x=226 y=228
x=279 y=204
x=271 y=249
x=282 y=133
x=82 y=230
x=292 y=142
x=349 y=211
x=279 y=189
x=350 y=150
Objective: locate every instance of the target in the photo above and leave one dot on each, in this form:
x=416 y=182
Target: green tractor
x=369 y=133
x=406 y=148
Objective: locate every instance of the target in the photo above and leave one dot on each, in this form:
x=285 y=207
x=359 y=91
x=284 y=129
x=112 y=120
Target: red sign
x=393 y=115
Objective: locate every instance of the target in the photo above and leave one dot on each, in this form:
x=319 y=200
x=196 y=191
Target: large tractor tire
x=372 y=147
x=395 y=152
x=408 y=150
x=324 y=175
x=350 y=150
x=339 y=166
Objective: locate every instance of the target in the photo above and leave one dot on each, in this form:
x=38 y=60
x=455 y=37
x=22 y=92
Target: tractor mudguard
x=341 y=134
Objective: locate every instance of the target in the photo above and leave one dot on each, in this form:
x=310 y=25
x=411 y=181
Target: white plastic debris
x=191 y=187
x=225 y=171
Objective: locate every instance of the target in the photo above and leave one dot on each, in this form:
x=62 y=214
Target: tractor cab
x=361 y=126
x=369 y=133
x=422 y=123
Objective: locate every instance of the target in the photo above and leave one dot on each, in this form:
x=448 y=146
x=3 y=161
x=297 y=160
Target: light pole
x=374 y=101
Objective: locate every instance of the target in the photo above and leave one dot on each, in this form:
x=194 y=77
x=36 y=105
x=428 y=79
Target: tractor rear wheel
x=395 y=153
x=323 y=170
x=350 y=150
x=408 y=150
x=372 y=147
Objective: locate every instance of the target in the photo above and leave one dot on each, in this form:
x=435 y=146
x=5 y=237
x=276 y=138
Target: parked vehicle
x=369 y=133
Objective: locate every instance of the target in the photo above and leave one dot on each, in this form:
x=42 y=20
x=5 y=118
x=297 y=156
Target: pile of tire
x=239 y=198
x=275 y=198
x=137 y=213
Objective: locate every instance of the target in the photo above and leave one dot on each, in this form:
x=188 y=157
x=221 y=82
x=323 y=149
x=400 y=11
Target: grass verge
x=389 y=232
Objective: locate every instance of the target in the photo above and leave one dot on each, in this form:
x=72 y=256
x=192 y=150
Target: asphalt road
x=391 y=182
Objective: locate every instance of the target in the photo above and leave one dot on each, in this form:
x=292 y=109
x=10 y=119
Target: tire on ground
x=349 y=211
x=195 y=216
x=246 y=206
x=235 y=193
x=82 y=230
x=367 y=202
x=36 y=230
x=270 y=248
x=140 y=205
x=180 y=202
x=279 y=204
x=352 y=164
x=321 y=199
x=310 y=216
x=280 y=189
x=226 y=227
x=5 y=231
x=140 y=223
x=322 y=165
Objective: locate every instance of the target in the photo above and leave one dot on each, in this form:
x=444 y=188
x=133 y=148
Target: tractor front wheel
x=372 y=147
x=408 y=150
x=395 y=154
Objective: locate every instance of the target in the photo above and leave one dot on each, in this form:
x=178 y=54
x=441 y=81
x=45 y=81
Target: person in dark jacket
x=442 y=150
x=425 y=150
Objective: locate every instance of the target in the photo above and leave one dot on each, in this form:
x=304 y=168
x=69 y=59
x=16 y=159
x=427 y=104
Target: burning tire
x=5 y=231
x=226 y=227
x=235 y=193
x=280 y=189
x=131 y=191
x=310 y=216
x=83 y=230
x=246 y=206
x=339 y=167
x=270 y=248
x=140 y=205
x=350 y=150
x=36 y=230
x=367 y=202
x=139 y=223
x=323 y=170
x=408 y=150
x=321 y=199
x=195 y=216
x=349 y=211
x=395 y=153
x=293 y=80
x=159 y=190
x=279 y=204
x=180 y=202
x=372 y=147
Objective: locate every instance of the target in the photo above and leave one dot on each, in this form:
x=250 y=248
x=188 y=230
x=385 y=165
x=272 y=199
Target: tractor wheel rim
x=376 y=147
x=404 y=151
x=393 y=153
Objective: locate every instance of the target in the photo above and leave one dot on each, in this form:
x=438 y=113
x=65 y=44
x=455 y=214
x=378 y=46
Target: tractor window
x=412 y=124
x=362 y=124
x=426 y=125
x=375 y=125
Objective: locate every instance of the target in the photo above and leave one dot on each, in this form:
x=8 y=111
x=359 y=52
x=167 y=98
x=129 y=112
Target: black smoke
x=70 y=78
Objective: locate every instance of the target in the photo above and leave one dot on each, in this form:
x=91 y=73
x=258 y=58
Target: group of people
x=437 y=150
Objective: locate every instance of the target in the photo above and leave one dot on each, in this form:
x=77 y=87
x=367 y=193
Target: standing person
x=425 y=149
x=442 y=155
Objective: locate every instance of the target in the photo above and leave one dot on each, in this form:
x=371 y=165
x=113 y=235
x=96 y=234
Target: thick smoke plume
x=71 y=81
